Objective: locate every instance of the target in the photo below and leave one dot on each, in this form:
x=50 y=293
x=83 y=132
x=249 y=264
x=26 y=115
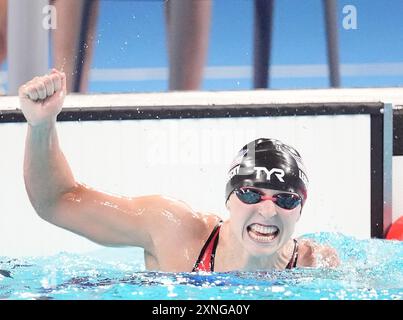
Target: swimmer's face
x=264 y=227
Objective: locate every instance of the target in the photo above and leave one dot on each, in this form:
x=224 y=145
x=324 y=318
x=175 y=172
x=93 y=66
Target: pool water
x=371 y=269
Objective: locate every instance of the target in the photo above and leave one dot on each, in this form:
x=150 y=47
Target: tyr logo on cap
x=279 y=173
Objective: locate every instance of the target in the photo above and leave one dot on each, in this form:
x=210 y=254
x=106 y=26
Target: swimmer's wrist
x=42 y=125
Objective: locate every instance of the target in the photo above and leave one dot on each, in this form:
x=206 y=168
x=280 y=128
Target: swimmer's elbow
x=45 y=209
x=49 y=215
x=53 y=209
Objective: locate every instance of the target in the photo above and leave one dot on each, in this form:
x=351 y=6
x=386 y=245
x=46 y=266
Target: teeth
x=263 y=233
x=266 y=230
x=262 y=238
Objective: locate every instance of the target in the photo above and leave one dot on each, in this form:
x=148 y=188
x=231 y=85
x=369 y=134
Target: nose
x=267 y=208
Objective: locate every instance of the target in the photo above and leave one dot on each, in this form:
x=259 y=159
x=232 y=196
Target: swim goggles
x=286 y=201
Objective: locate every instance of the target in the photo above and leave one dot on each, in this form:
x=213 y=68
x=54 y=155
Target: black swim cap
x=270 y=164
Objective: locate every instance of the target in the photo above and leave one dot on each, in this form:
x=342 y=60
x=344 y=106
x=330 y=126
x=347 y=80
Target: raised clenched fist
x=41 y=99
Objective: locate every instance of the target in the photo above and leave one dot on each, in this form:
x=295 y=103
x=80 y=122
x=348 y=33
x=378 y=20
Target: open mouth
x=263 y=233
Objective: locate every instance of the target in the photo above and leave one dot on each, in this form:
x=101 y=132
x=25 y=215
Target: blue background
x=132 y=34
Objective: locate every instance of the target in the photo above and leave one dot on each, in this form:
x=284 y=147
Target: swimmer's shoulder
x=313 y=254
x=177 y=231
x=176 y=215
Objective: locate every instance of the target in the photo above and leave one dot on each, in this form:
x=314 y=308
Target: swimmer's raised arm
x=46 y=171
x=59 y=199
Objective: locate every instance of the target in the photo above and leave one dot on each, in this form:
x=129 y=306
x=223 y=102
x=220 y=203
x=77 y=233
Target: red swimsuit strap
x=294 y=257
x=205 y=262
